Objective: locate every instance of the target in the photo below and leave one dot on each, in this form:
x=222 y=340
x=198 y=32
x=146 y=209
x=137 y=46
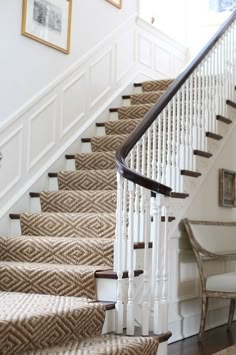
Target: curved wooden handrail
x=150 y=117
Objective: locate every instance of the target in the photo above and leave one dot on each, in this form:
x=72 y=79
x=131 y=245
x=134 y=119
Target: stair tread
x=231 y=103
x=190 y=173
x=201 y=153
x=84 y=201
x=57 y=250
x=95 y=160
x=107 y=344
x=213 y=136
x=223 y=119
x=87 y=179
x=74 y=225
x=25 y=316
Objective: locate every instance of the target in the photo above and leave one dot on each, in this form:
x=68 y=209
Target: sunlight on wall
x=191 y=22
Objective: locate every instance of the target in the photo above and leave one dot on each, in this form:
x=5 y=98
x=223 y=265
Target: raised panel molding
x=11 y=169
x=125 y=53
x=100 y=78
x=162 y=59
x=42 y=132
x=74 y=102
x=145 y=48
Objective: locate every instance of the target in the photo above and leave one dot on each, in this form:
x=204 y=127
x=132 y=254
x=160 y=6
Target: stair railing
x=151 y=164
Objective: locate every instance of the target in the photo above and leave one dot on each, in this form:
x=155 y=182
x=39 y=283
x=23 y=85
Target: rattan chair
x=216 y=241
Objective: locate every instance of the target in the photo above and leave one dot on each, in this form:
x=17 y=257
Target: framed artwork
x=48 y=22
x=227 y=188
x=117 y=3
x=222 y=5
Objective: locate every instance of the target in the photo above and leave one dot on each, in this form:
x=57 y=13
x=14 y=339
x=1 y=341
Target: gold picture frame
x=227 y=188
x=48 y=22
x=117 y=3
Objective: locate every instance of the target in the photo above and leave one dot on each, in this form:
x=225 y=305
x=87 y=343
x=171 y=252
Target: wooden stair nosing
x=52 y=175
x=231 y=103
x=179 y=195
x=110 y=274
x=137 y=85
x=126 y=97
x=34 y=194
x=114 y=109
x=214 y=136
x=14 y=216
x=190 y=173
x=223 y=119
x=201 y=153
x=109 y=305
x=69 y=156
x=100 y=124
x=85 y=140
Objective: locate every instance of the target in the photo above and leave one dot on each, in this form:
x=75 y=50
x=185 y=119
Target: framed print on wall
x=227 y=188
x=49 y=22
x=117 y=3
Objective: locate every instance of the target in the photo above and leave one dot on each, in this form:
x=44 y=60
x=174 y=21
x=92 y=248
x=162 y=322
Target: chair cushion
x=222 y=283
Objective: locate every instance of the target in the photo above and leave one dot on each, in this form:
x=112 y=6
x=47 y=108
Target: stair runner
x=62 y=247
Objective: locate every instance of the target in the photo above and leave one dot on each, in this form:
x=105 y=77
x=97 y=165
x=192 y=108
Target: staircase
x=51 y=265
x=91 y=255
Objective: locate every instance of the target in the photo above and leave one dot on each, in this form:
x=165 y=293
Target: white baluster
x=137 y=196
x=130 y=304
x=164 y=298
x=169 y=115
x=191 y=103
x=164 y=140
x=124 y=226
x=118 y=251
x=157 y=313
x=154 y=151
x=146 y=274
x=175 y=172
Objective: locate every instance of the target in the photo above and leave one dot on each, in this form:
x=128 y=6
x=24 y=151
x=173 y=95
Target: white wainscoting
x=41 y=131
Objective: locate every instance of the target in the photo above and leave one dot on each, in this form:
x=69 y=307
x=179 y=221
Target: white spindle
x=157 y=313
x=137 y=196
x=175 y=175
x=164 y=298
x=119 y=296
x=130 y=304
x=146 y=274
x=164 y=142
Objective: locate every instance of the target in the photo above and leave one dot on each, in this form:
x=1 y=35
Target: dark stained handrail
x=150 y=117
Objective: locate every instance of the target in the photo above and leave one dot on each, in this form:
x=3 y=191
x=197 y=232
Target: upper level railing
x=154 y=159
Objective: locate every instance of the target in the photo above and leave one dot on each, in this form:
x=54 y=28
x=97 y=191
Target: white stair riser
x=109 y=323
x=53 y=184
x=70 y=165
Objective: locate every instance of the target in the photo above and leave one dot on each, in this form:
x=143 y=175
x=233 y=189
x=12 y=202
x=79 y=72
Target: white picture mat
x=34 y=28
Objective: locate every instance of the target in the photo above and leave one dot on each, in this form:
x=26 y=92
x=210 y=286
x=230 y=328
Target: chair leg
x=203 y=315
x=231 y=313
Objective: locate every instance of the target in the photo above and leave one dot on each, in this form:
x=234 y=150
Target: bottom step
x=107 y=345
x=29 y=322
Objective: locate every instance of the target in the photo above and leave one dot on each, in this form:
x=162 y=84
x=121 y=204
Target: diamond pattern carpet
x=107 y=345
x=47 y=274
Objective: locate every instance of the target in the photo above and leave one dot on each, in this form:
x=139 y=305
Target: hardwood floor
x=213 y=340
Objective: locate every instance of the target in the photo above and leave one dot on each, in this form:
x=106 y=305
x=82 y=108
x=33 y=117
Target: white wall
x=26 y=66
x=36 y=137
x=205 y=205
x=188 y=21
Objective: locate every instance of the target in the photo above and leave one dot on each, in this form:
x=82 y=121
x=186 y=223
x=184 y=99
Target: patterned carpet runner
x=107 y=345
x=63 y=246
